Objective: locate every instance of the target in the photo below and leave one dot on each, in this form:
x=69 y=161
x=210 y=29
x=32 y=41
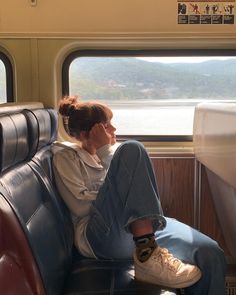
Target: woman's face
x=110 y=129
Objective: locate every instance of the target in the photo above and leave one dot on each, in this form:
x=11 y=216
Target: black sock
x=145 y=245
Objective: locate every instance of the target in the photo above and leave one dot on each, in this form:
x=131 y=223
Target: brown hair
x=82 y=116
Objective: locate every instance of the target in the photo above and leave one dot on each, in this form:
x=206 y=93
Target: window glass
x=6 y=79
x=3 y=86
x=153 y=95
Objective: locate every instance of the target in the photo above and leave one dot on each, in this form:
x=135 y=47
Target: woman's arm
x=105 y=154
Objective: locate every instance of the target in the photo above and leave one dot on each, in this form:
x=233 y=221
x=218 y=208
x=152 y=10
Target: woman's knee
x=130 y=154
x=131 y=148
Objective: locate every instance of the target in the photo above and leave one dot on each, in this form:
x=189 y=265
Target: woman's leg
x=193 y=247
x=129 y=194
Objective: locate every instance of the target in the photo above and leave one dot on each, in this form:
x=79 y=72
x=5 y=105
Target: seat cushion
x=90 y=276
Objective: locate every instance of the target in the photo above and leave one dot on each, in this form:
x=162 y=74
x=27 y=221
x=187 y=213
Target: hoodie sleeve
x=67 y=166
x=105 y=154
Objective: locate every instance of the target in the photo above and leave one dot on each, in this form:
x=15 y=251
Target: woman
x=114 y=202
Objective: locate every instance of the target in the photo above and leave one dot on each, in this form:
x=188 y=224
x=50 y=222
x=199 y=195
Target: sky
x=185 y=59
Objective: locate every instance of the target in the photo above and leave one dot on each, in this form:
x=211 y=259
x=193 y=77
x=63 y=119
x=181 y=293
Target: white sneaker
x=162 y=268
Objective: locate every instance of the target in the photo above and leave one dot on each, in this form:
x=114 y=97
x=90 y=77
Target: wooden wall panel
x=186 y=196
x=175 y=179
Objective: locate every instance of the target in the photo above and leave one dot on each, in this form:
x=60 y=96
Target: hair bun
x=67 y=105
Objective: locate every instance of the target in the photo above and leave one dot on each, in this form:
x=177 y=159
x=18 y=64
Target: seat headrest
x=54 y=124
x=14 y=145
x=16 y=107
x=23 y=134
x=42 y=127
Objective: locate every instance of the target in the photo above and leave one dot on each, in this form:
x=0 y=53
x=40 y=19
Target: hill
x=127 y=79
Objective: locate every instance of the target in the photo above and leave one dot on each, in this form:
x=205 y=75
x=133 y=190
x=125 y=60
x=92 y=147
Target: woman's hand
x=98 y=136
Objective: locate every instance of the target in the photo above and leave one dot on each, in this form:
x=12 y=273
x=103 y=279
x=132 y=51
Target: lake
x=153 y=119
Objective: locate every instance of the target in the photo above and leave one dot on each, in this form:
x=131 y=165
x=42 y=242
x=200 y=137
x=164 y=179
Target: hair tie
x=65 y=120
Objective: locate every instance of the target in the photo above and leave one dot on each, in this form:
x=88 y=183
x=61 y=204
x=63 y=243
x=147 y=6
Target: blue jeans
x=129 y=193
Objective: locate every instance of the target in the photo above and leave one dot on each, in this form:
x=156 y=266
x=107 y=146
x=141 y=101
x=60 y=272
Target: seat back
x=17 y=263
x=26 y=186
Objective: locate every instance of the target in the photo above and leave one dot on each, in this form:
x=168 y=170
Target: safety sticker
x=206 y=12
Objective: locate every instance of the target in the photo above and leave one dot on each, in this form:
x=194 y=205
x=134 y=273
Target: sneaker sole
x=148 y=278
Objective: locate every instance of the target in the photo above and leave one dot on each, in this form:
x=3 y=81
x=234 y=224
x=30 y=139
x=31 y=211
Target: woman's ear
x=83 y=135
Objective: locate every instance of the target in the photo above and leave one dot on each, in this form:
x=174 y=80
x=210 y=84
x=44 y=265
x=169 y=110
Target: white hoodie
x=78 y=177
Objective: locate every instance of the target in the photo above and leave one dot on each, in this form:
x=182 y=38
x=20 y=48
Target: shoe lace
x=168 y=259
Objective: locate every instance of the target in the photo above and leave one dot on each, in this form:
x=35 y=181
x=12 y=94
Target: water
x=153 y=120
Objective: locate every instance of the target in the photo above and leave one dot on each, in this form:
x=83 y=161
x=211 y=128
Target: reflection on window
x=3 y=87
x=153 y=95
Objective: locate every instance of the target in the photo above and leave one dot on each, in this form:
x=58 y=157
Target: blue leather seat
x=45 y=260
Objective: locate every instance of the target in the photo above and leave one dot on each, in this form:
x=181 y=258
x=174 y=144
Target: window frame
x=140 y=53
x=9 y=77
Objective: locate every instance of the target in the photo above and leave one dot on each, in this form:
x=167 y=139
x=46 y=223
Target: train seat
x=36 y=241
x=214 y=138
x=18 y=269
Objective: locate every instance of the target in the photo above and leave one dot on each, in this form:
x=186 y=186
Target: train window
x=3 y=87
x=6 y=79
x=151 y=95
